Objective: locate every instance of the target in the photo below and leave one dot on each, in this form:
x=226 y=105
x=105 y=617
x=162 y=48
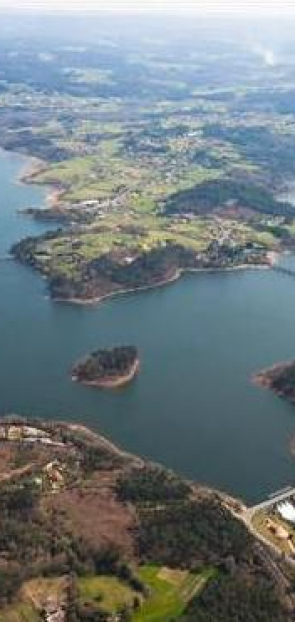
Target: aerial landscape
x=147 y=271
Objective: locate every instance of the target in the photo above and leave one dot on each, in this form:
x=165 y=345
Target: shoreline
x=96 y=300
x=28 y=173
x=116 y=448
x=31 y=167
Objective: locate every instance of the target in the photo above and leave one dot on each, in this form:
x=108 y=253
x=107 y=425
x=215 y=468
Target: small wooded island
x=280 y=378
x=110 y=368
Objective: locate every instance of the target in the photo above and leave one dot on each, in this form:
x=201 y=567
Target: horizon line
x=130 y=9
x=153 y=11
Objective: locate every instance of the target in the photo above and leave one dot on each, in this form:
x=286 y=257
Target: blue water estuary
x=193 y=406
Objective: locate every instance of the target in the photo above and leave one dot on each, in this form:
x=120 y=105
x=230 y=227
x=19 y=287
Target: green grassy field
x=137 y=235
x=110 y=592
x=170 y=591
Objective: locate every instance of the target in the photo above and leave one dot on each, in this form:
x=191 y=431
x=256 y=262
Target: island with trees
x=280 y=379
x=110 y=368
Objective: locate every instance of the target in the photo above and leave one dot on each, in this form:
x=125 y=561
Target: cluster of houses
x=100 y=207
x=227 y=250
x=25 y=433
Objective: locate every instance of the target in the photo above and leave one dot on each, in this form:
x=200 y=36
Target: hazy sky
x=225 y=6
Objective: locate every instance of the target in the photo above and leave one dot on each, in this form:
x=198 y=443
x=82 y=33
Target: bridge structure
x=272 y=500
x=248 y=513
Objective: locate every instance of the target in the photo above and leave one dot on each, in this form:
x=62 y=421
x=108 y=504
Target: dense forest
x=211 y=195
x=242 y=597
x=187 y=533
x=150 y=485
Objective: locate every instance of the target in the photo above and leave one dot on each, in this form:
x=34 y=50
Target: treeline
x=151 y=485
x=240 y=597
x=149 y=267
x=191 y=533
x=211 y=195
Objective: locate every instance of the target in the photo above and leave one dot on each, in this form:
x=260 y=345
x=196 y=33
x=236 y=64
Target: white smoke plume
x=266 y=54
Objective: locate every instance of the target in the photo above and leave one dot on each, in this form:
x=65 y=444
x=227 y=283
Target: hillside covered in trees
x=82 y=521
x=216 y=194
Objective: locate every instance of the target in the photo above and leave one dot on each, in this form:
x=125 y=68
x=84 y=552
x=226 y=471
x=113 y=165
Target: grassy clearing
x=170 y=591
x=99 y=176
x=111 y=593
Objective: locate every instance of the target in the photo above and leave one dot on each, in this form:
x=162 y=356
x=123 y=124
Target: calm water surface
x=193 y=407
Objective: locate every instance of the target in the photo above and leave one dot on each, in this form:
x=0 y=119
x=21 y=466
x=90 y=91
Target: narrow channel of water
x=193 y=406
